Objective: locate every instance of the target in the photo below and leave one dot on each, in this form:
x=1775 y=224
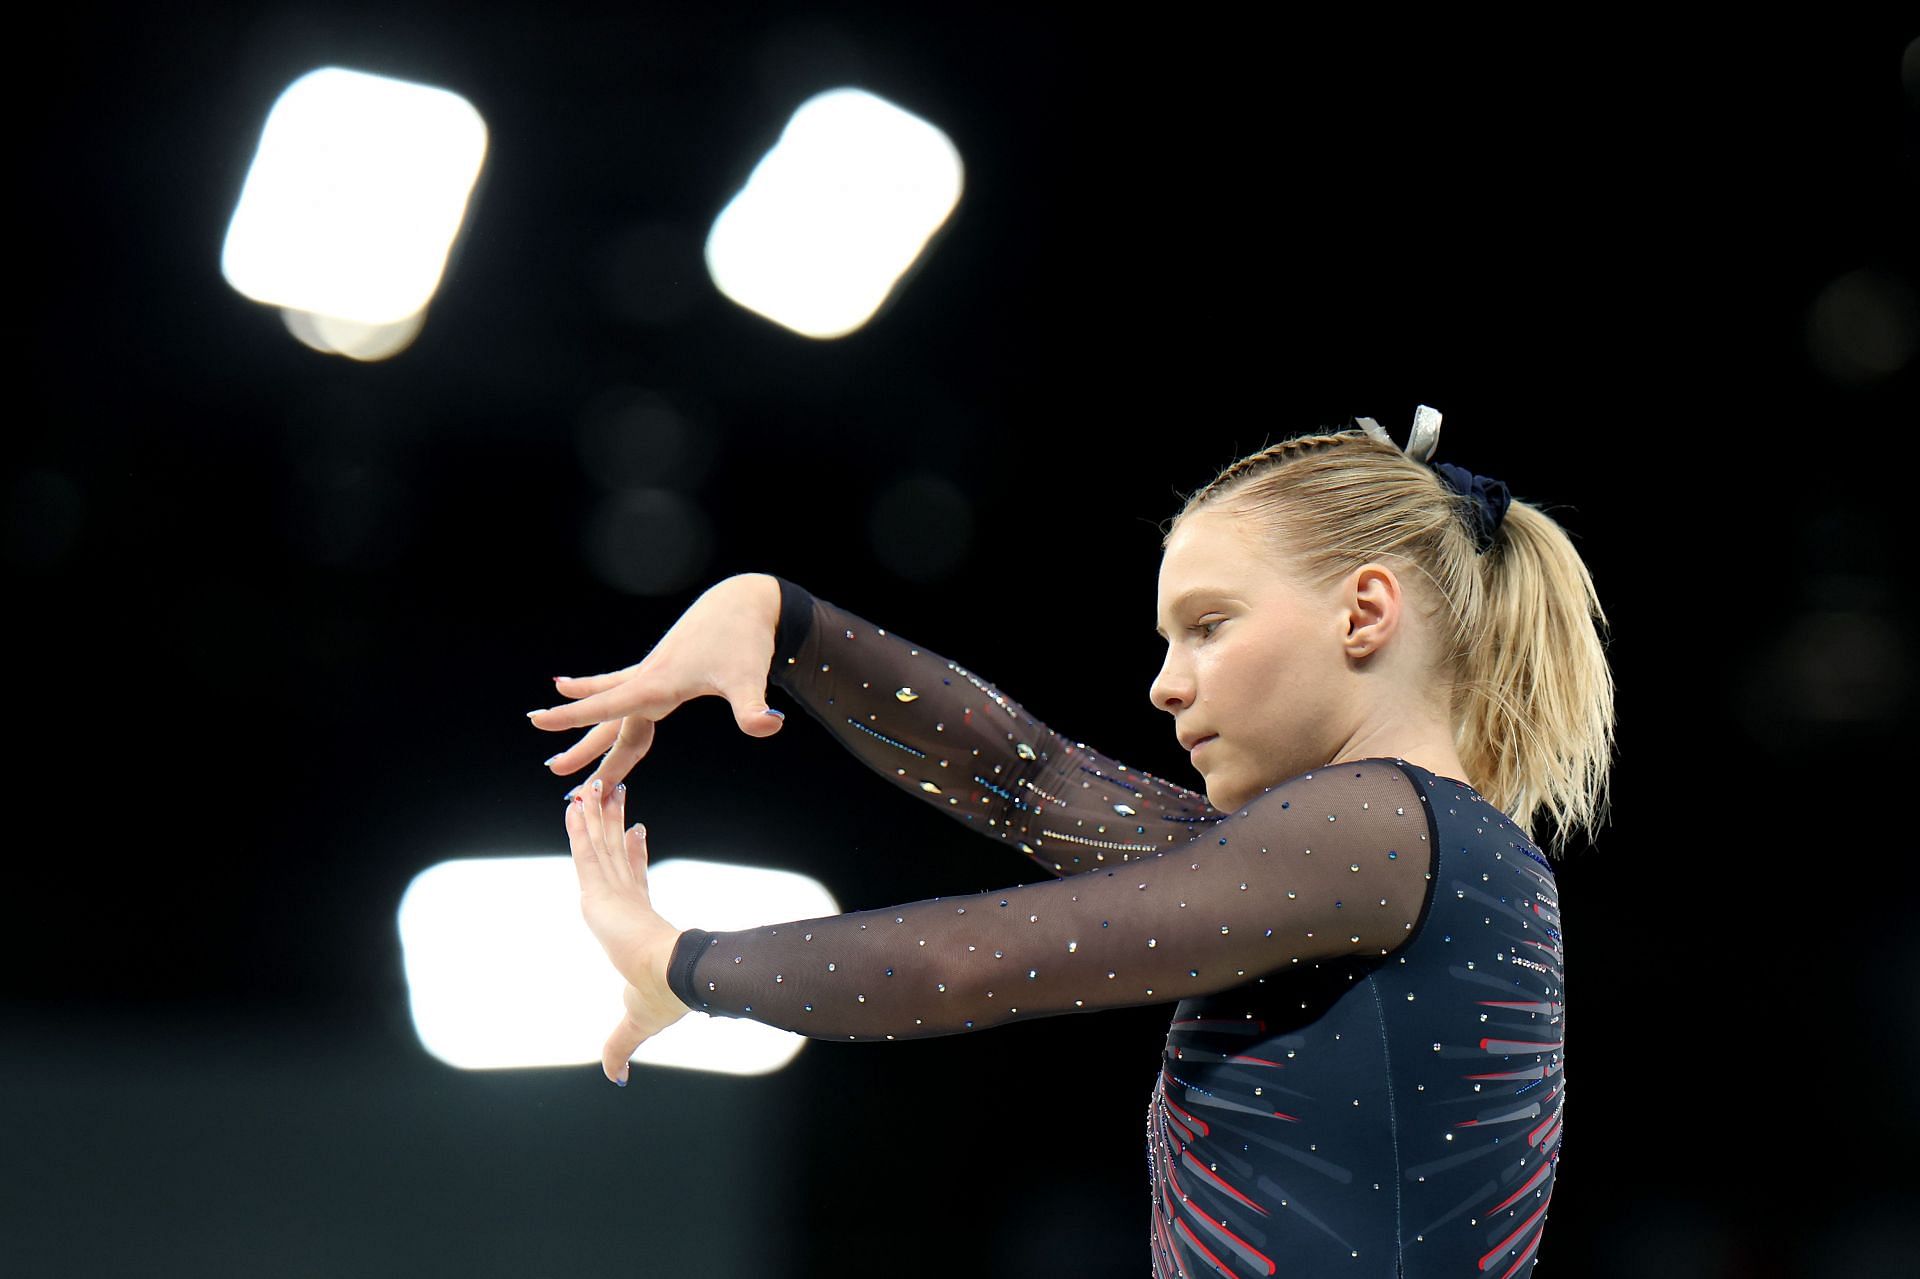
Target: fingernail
x=775 y=713
x=558 y=678
x=550 y=759
x=531 y=714
x=596 y=783
x=570 y=794
x=622 y=1081
x=622 y=788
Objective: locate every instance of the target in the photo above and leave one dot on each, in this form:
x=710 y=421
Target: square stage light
x=502 y=970
x=354 y=197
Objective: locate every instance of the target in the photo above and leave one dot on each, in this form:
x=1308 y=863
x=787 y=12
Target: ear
x=1372 y=600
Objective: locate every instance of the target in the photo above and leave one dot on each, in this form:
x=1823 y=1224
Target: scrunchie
x=1490 y=500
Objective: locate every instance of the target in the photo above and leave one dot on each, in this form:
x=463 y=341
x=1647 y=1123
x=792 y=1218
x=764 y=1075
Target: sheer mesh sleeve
x=941 y=733
x=1330 y=863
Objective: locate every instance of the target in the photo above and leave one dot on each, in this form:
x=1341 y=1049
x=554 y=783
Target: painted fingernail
x=531 y=714
x=776 y=714
x=550 y=759
x=622 y=1081
x=558 y=678
x=596 y=783
x=570 y=794
x=622 y=788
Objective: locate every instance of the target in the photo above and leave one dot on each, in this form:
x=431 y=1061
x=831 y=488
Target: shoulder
x=1373 y=792
x=1352 y=847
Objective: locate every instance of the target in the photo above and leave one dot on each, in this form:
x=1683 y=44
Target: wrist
x=764 y=589
x=661 y=953
x=659 y=966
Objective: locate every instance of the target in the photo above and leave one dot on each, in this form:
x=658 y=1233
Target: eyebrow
x=1184 y=596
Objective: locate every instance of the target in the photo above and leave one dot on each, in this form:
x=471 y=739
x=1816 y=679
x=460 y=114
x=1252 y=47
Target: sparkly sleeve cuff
x=686 y=953
x=796 y=623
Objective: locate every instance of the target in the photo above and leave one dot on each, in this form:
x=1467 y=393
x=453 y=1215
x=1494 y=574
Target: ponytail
x=1534 y=717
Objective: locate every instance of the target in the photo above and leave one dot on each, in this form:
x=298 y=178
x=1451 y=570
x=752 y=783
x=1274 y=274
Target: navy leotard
x=1364 y=1074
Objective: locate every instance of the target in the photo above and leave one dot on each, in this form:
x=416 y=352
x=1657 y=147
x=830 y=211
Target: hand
x=721 y=646
x=612 y=865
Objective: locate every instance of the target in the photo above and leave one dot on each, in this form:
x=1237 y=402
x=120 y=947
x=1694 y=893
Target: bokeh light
x=649 y=541
x=921 y=526
x=502 y=970
x=353 y=200
x=834 y=214
x=1864 y=326
x=634 y=437
x=331 y=335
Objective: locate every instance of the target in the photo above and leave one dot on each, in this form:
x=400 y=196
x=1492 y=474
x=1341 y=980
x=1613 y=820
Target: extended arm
x=939 y=732
x=1335 y=862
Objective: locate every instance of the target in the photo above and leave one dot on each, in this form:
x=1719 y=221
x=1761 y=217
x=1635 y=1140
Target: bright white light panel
x=834 y=214
x=502 y=970
x=354 y=197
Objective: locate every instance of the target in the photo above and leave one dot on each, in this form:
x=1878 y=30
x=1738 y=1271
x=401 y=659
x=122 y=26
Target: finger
x=603 y=814
x=620 y=1047
x=635 y=696
x=630 y=745
x=577 y=686
x=637 y=851
x=616 y=838
x=574 y=756
x=594 y=801
x=585 y=861
x=750 y=710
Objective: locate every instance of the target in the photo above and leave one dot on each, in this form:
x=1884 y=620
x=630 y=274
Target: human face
x=1255 y=660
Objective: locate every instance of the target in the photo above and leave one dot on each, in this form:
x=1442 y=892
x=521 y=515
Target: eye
x=1207 y=626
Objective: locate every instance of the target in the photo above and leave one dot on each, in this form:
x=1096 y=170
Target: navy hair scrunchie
x=1490 y=500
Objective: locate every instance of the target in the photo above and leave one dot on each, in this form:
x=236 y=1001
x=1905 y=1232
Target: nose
x=1172 y=689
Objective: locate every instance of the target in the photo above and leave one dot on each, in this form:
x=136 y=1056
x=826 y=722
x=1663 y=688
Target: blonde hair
x=1530 y=693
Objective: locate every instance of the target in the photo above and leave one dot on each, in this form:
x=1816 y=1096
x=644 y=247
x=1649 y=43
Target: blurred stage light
x=352 y=203
x=331 y=335
x=631 y=437
x=651 y=541
x=1864 y=326
x=834 y=214
x=46 y=514
x=1839 y=666
x=921 y=526
x=502 y=971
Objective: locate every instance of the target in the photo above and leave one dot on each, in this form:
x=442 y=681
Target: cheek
x=1217 y=674
x=1245 y=672
x=1266 y=692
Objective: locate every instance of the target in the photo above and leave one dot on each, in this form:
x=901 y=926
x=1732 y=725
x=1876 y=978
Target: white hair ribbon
x=1424 y=440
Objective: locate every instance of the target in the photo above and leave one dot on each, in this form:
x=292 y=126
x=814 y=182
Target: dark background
x=277 y=615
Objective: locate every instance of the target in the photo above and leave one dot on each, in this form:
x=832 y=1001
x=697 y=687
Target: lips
x=1202 y=742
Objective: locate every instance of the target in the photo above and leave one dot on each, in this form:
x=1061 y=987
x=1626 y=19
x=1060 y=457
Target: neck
x=1428 y=744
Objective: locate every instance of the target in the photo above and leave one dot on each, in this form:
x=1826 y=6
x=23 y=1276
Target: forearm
x=942 y=734
x=931 y=728
x=1281 y=883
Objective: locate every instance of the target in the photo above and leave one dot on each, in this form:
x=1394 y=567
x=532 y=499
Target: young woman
x=1385 y=671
